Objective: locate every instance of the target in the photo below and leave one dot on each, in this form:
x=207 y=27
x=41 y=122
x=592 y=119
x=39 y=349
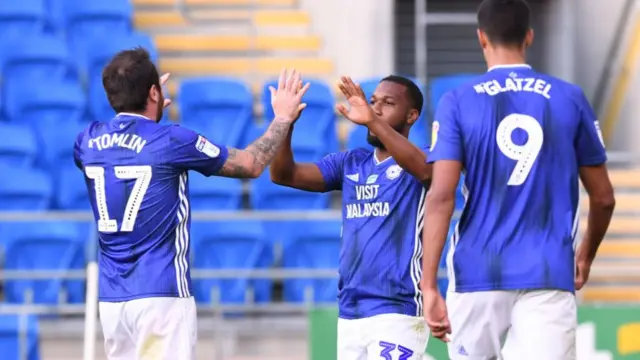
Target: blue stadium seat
x=24 y=189
x=72 y=191
x=99 y=107
x=214 y=193
x=315 y=245
x=265 y=195
x=315 y=134
x=57 y=145
x=231 y=245
x=55 y=9
x=357 y=138
x=441 y=85
x=20 y=18
x=19 y=147
x=220 y=108
x=36 y=58
x=97 y=17
x=369 y=86
x=44 y=246
x=10 y=337
x=93 y=53
x=47 y=105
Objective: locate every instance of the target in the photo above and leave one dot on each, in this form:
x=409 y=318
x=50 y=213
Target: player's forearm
x=600 y=213
x=282 y=167
x=407 y=155
x=437 y=217
x=251 y=162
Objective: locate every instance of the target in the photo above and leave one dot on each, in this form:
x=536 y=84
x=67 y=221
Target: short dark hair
x=415 y=95
x=128 y=78
x=506 y=22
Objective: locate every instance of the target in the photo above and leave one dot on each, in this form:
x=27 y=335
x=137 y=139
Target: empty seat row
x=57 y=246
x=25 y=189
x=229 y=245
x=73 y=17
x=44 y=56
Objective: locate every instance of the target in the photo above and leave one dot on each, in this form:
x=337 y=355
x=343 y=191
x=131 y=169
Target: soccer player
x=524 y=140
x=383 y=194
x=136 y=176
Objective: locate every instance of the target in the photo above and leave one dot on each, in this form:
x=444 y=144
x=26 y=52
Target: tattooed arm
x=251 y=162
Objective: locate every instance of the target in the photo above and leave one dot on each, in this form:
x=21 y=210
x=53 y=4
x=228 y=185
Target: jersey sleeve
x=332 y=168
x=589 y=143
x=191 y=151
x=77 y=150
x=446 y=139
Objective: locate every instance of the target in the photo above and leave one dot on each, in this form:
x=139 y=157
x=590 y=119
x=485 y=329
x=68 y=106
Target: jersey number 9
x=142 y=175
x=525 y=154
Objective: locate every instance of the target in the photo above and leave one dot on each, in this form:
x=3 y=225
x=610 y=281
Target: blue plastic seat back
x=36 y=59
x=231 y=245
x=93 y=53
x=443 y=84
x=220 y=108
x=72 y=190
x=24 y=190
x=48 y=106
x=19 y=18
x=315 y=131
x=44 y=246
x=97 y=17
x=99 y=107
x=214 y=193
x=315 y=245
x=57 y=145
x=265 y=195
x=11 y=328
x=19 y=147
x=357 y=138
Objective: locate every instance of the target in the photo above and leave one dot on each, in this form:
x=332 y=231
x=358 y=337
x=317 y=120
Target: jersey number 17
x=142 y=175
x=525 y=154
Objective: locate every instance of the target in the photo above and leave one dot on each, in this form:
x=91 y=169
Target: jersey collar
x=509 y=66
x=132 y=115
x=375 y=158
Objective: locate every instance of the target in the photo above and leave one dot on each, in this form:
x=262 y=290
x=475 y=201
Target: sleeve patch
x=204 y=146
x=434 y=134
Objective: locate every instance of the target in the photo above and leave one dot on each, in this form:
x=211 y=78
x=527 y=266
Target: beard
x=376 y=143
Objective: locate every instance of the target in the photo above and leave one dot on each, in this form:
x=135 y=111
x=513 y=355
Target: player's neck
x=500 y=56
x=381 y=155
x=145 y=114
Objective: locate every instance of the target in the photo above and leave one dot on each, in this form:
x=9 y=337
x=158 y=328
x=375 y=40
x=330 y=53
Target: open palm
x=359 y=111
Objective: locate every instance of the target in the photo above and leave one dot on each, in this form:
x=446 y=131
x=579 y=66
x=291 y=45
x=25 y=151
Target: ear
x=482 y=39
x=154 y=94
x=412 y=117
x=528 y=40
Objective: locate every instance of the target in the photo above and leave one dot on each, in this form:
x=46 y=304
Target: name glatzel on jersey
x=128 y=141
x=367 y=209
x=514 y=84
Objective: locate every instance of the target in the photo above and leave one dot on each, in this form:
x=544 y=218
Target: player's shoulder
x=570 y=89
x=93 y=129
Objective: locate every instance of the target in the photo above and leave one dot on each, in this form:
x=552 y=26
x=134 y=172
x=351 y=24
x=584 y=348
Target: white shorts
x=151 y=328
x=388 y=336
x=534 y=324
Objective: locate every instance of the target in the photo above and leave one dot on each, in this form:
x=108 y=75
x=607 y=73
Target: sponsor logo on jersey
x=372 y=179
x=204 y=146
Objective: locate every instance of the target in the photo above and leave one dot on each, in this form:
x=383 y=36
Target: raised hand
x=163 y=80
x=286 y=100
x=359 y=111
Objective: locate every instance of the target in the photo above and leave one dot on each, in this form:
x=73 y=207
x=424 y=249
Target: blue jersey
x=521 y=137
x=136 y=175
x=382 y=218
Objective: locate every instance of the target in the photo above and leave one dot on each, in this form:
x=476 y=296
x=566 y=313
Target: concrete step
x=167 y=43
x=244 y=66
